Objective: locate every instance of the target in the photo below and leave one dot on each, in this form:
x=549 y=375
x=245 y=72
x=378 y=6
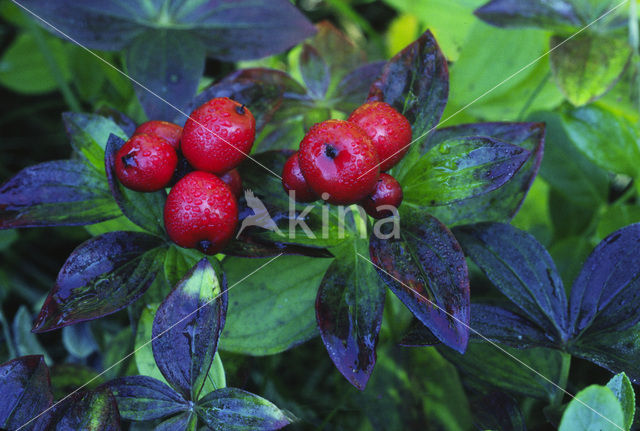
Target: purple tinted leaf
x=100 y=277
x=488 y=322
x=95 y=410
x=315 y=72
x=125 y=123
x=503 y=203
x=237 y=410
x=182 y=422
x=93 y=23
x=557 y=15
x=144 y=209
x=57 y=193
x=606 y=293
x=187 y=327
x=169 y=64
x=354 y=87
x=416 y=83
x=262 y=90
x=142 y=398
x=236 y=30
x=349 y=312
x=460 y=169
x=617 y=351
x=26 y=392
x=503 y=326
x=519 y=266
x=426 y=269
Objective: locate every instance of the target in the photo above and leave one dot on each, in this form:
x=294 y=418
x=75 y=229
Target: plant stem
x=54 y=68
x=534 y=96
x=563 y=379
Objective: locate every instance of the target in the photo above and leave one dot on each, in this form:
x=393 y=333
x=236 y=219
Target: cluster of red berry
x=340 y=161
x=199 y=161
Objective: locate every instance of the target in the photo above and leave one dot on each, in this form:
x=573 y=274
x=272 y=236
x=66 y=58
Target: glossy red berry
x=388 y=129
x=387 y=192
x=293 y=181
x=168 y=131
x=337 y=158
x=145 y=163
x=218 y=135
x=233 y=181
x=201 y=212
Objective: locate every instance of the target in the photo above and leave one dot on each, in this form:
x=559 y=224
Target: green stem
x=7 y=335
x=563 y=379
x=534 y=96
x=57 y=73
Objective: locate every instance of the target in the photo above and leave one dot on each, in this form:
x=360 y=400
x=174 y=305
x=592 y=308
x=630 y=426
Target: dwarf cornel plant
x=326 y=270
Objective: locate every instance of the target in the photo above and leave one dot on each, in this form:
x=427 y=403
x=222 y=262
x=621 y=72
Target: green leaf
x=273 y=310
x=608 y=140
x=96 y=410
x=616 y=217
x=7 y=237
x=566 y=169
x=78 y=340
x=66 y=378
x=26 y=342
x=479 y=70
x=23 y=67
x=593 y=409
x=89 y=134
x=588 y=65
x=462 y=168
x=558 y=15
x=621 y=387
x=485 y=366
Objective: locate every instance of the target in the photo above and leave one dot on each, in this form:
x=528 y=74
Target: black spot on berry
x=330 y=151
x=240 y=109
x=204 y=246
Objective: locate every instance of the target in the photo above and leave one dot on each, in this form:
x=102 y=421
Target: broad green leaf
x=272 y=310
x=588 y=65
x=569 y=254
x=460 y=169
x=608 y=140
x=616 y=217
x=621 y=387
x=66 y=378
x=595 y=408
x=24 y=69
x=78 y=340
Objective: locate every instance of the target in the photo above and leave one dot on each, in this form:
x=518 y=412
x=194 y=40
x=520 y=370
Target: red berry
x=233 y=181
x=387 y=192
x=201 y=212
x=293 y=180
x=218 y=135
x=336 y=157
x=145 y=163
x=168 y=131
x=389 y=130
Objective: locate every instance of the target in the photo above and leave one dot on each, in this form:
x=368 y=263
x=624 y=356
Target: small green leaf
x=273 y=310
x=593 y=409
x=608 y=140
x=621 y=387
x=587 y=66
x=26 y=342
